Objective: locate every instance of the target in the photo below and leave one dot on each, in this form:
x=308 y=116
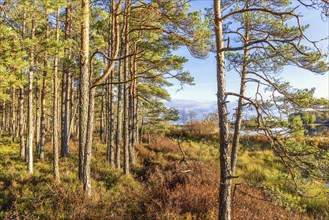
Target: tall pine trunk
x=119 y=118
x=13 y=114
x=225 y=162
x=102 y=119
x=43 y=97
x=111 y=104
x=3 y=117
x=30 y=106
x=37 y=115
x=66 y=102
x=55 y=108
x=89 y=140
x=126 y=86
x=21 y=123
x=111 y=137
x=84 y=85
x=23 y=145
x=133 y=110
x=42 y=116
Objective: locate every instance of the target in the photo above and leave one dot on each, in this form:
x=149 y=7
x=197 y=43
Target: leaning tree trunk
x=225 y=162
x=239 y=113
x=30 y=107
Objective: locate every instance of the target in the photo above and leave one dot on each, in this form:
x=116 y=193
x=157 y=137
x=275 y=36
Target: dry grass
x=162 y=187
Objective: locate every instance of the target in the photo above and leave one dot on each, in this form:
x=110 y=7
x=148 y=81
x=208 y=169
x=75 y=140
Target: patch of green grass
x=38 y=197
x=124 y=197
x=316 y=205
x=200 y=150
x=263 y=167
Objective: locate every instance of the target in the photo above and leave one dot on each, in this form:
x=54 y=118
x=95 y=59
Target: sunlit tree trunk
x=225 y=160
x=84 y=84
x=30 y=106
x=111 y=104
x=126 y=88
x=110 y=96
x=55 y=109
x=119 y=118
x=89 y=140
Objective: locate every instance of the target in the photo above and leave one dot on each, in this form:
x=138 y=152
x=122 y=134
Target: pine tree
x=267 y=36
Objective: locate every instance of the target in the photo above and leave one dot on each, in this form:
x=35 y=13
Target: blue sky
x=201 y=97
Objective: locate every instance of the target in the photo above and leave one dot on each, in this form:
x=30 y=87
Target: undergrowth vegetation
x=162 y=186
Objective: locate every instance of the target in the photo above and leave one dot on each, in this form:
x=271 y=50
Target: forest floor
x=162 y=186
